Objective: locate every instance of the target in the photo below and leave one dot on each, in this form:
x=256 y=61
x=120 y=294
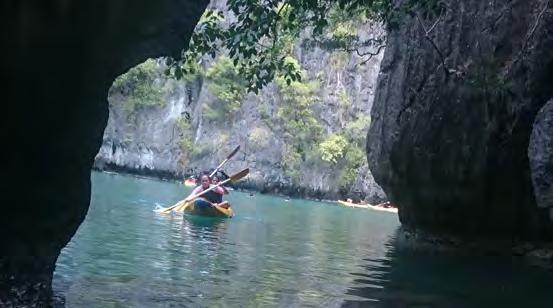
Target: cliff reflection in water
x=272 y=253
x=416 y=279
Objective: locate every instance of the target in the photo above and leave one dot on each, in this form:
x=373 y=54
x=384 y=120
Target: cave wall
x=449 y=147
x=540 y=154
x=60 y=58
x=454 y=108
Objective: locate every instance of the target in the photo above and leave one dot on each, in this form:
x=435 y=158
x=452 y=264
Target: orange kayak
x=189 y=183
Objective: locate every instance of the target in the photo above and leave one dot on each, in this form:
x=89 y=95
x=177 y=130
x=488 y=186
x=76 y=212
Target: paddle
x=224 y=161
x=233 y=178
x=212 y=173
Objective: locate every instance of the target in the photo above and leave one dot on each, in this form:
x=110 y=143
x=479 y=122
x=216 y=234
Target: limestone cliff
x=455 y=103
x=454 y=109
x=151 y=141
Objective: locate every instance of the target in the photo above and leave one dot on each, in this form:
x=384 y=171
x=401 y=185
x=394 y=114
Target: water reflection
x=272 y=253
x=194 y=225
x=405 y=278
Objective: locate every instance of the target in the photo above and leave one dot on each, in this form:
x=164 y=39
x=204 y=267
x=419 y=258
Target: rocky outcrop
x=540 y=153
x=151 y=143
x=60 y=58
x=453 y=113
x=454 y=107
x=148 y=144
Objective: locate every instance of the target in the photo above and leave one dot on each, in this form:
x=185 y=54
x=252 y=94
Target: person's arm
x=194 y=191
x=220 y=190
x=225 y=190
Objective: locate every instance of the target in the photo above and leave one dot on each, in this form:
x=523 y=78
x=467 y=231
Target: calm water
x=272 y=253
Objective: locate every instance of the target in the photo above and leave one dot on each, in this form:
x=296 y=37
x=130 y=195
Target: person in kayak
x=214 y=196
x=215 y=181
x=224 y=204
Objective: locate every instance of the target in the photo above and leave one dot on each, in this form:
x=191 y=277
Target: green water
x=272 y=253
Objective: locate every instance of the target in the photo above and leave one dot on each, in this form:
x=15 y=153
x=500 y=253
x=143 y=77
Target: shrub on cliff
x=140 y=87
x=227 y=85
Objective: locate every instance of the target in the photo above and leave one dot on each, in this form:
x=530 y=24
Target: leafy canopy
x=255 y=36
x=333 y=148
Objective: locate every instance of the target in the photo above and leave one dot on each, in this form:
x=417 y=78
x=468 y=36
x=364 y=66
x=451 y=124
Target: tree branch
x=356 y=49
x=275 y=29
x=371 y=55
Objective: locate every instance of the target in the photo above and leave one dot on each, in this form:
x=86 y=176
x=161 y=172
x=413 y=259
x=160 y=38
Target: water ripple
x=269 y=254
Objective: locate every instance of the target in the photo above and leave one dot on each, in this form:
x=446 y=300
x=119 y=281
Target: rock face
x=151 y=143
x=456 y=99
x=540 y=153
x=449 y=148
x=60 y=60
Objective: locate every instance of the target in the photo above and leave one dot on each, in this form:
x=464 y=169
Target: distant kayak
x=367 y=206
x=202 y=207
x=189 y=183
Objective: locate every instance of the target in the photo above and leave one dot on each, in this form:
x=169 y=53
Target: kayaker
x=213 y=196
x=221 y=203
x=215 y=181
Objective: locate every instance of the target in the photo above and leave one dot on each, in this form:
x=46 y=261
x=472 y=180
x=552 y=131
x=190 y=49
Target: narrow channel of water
x=272 y=253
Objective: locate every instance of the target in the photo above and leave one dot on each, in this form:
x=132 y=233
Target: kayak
x=368 y=206
x=189 y=183
x=202 y=207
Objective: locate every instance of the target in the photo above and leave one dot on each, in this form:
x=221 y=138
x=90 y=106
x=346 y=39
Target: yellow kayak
x=202 y=207
x=367 y=206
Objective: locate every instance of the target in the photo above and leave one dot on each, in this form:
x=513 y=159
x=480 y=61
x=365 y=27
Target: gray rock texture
x=60 y=59
x=151 y=145
x=540 y=154
x=451 y=149
x=453 y=113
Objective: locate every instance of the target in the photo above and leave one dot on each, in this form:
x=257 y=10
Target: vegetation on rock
x=256 y=49
x=295 y=118
x=139 y=87
x=228 y=86
x=254 y=37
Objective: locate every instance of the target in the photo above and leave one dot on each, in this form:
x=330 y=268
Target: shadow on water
x=405 y=278
x=197 y=263
x=210 y=230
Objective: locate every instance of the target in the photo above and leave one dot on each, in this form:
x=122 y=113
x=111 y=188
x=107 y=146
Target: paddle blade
x=163 y=210
x=180 y=208
x=233 y=152
x=169 y=209
x=239 y=175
